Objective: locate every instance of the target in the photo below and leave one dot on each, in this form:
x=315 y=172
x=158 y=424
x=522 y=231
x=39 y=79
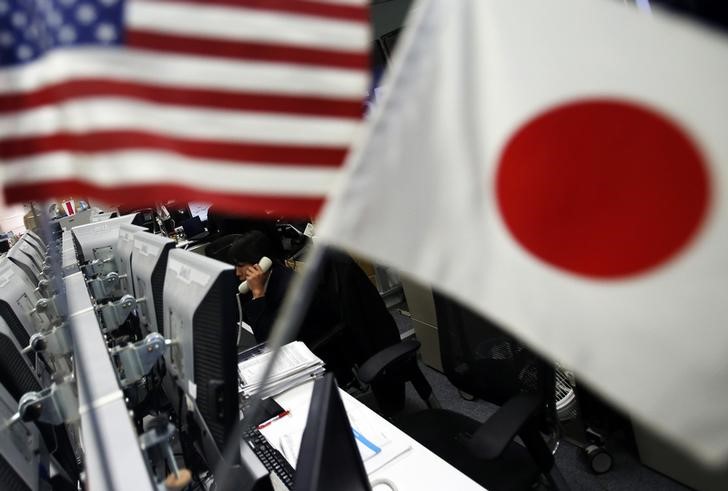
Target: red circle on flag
x=602 y=188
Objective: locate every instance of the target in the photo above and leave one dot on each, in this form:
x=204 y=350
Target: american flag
x=249 y=104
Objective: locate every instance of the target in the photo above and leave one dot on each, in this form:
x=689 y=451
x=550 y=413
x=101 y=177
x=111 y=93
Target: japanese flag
x=562 y=167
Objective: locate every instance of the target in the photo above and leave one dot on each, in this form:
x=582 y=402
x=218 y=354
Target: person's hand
x=256 y=280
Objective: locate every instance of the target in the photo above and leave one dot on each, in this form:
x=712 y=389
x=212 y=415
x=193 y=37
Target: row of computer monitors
x=186 y=297
x=190 y=300
x=25 y=447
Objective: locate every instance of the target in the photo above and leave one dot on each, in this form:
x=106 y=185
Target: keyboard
x=271 y=458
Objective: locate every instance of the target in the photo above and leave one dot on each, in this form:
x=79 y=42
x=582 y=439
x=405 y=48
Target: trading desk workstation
x=119 y=370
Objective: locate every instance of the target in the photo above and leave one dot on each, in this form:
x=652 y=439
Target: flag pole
x=286 y=326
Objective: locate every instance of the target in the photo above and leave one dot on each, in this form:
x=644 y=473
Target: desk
x=415 y=470
x=117 y=435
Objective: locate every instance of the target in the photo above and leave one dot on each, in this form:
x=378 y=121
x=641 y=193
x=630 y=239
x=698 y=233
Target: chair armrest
x=494 y=435
x=385 y=358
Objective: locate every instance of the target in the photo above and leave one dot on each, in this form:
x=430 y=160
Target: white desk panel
x=416 y=469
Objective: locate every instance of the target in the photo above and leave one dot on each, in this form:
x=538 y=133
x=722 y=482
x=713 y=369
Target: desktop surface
x=415 y=468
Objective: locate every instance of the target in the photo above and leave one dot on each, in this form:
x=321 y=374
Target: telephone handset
x=265 y=265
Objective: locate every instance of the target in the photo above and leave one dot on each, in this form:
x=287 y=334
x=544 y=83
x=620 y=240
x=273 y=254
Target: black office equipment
x=149 y=259
x=329 y=459
x=145 y=218
x=389 y=41
x=480 y=359
x=272 y=459
x=194 y=229
x=21 y=454
x=200 y=317
x=179 y=212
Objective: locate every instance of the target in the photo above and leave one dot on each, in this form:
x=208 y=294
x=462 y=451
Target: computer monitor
x=178 y=212
x=17 y=301
x=35 y=243
x=98 y=240
x=25 y=263
x=16 y=373
x=104 y=215
x=20 y=449
x=200 y=317
x=4 y=244
x=149 y=267
x=194 y=229
x=80 y=218
x=124 y=248
x=36 y=259
x=329 y=459
x=18 y=377
x=36 y=238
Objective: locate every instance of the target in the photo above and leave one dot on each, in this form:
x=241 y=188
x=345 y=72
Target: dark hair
x=220 y=248
x=250 y=247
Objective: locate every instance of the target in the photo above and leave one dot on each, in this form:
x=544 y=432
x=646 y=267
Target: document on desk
x=295 y=364
x=376 y=447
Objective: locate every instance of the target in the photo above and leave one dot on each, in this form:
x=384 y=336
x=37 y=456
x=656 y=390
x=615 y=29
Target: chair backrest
x=481 y=359
x=360 y=307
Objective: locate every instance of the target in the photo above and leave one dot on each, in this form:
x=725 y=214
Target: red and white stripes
x=250 y=104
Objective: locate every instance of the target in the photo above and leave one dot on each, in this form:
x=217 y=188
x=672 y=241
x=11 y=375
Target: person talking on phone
x=265 y=290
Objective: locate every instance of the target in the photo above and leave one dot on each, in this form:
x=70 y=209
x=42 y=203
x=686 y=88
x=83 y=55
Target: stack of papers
x=294 y=365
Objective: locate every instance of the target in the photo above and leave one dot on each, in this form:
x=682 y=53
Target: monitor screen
x=149 y=266
x=200 y=318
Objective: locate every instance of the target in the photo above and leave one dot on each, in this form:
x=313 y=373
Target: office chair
x=478 y=358
x=360 y=326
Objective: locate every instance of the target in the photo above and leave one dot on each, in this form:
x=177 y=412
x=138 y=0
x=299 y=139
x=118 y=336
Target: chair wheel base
x=600 y=461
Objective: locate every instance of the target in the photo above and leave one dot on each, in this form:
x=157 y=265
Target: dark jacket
x=260 y=313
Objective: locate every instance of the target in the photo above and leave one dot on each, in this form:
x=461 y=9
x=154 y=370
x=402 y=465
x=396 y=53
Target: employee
x=268 y=289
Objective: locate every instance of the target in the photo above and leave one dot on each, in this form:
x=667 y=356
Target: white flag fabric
x=562 y=167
